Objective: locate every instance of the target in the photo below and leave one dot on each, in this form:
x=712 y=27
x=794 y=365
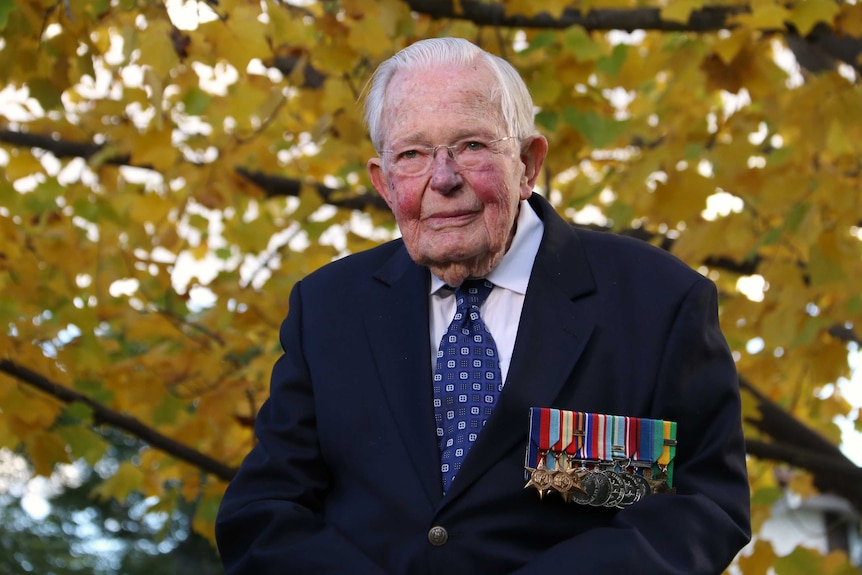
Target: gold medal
x=540 y=478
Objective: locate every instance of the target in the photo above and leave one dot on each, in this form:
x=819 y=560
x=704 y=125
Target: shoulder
x=357 y=270
x=606 y=254
x=365 y=262
x=631 y=250
x=627 y=259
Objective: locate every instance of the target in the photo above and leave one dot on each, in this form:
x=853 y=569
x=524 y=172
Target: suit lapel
x=397 y=322
x=552 y=335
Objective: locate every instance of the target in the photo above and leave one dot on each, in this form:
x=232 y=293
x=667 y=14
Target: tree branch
x=272 y=185
x=831 y=474
x=819 y=49
x=105 y=415
x=800 y=446
x=711 y=18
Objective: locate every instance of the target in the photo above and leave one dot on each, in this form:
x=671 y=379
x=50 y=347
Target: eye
x=473 y=146
x=408 y=154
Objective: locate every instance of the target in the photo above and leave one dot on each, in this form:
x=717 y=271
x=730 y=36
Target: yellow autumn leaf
x=838 y=563
x=365 y=36
x=760 y=560
x=8 y=438
x=553 y=8
x=545 y=85
x=680 y=10
x=33 y=410
x=825 y=264
x=728 y=47
x=778 y=327
x=119 y=486
x=284 y=29
x=150 y=207
x=837 y=140
x=827 y=362
x=22 y=164
x=683 y=197
x=46 y=450
x=808 y=13
x=154 y=149
x=157 y=48
x=765 y=16
x=802 y=483
x=243 y=37
x=849 y=20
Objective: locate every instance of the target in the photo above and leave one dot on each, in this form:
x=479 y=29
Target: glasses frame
x=432 y=151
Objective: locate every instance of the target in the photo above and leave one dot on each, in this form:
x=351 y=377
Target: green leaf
x=579 y=41
x=796 y=215
x=598 y=130
x=208 y=508
x=44 y=198
x=6 y=8
x=854 y=304
x=548 y=120
x=621 y=214
x=694 y=151
x=811 y=329
x=83 y=443
x=94 y=390
x=611 y=65
x=823 y=268
x=541 y=40
x=78 y=411
x=766 y=496
x=196 y=102
x=770 y=237
x=168 y=409
x=800 y=562
x=46 y=93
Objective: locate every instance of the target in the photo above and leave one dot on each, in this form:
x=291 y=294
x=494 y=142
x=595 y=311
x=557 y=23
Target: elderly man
x=425 y=382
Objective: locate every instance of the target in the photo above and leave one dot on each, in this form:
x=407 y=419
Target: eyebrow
x=421 y=139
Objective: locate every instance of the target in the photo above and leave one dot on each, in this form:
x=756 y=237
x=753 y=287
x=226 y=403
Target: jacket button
x=438 y=536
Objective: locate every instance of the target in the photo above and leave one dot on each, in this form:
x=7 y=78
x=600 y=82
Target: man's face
x=456 y=221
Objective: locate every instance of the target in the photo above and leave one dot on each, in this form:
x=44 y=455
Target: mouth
x=455 y=218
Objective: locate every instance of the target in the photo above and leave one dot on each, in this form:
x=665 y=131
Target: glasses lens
x=470 y=154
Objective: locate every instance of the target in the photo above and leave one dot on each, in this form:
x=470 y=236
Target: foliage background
x=166 y=179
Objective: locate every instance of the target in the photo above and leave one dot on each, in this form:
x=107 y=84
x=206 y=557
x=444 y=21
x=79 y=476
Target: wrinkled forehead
x=433 y=98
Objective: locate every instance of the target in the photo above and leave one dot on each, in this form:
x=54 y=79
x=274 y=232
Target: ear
x=379 y=180
x=533 y=154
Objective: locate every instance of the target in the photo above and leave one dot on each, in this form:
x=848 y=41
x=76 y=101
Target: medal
x=540 y=478
x=602 y=492
x=617 y=489
x=598 y=459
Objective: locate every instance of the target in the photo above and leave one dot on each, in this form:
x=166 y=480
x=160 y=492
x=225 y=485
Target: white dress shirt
x=501 y=312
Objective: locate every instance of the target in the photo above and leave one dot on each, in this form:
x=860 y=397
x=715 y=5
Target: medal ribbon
x=579 y=435
x=566 y=435
x=532 y=458
x=668 y=452
x=553 y=438
x=618 y=436
x=597 y=436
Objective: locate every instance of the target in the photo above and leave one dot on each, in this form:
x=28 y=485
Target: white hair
x=514 y=98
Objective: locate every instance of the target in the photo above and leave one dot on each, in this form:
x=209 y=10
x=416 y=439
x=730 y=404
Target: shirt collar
x=513 y=271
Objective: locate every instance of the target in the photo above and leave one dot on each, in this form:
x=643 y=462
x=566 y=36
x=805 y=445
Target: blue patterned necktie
x=467 y=379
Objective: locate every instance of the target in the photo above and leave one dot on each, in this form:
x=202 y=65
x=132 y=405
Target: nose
x=444 y=174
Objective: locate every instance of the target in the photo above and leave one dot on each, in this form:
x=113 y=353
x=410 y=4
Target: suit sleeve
x=271 y=518
x=699 y=529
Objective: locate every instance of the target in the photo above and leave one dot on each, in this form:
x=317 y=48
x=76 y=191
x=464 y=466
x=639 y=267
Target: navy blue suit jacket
x=345 y=475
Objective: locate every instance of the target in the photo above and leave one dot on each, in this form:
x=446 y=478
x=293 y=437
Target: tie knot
x=472 y=293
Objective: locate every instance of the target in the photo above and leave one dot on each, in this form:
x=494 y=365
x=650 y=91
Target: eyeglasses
x=470 y=154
